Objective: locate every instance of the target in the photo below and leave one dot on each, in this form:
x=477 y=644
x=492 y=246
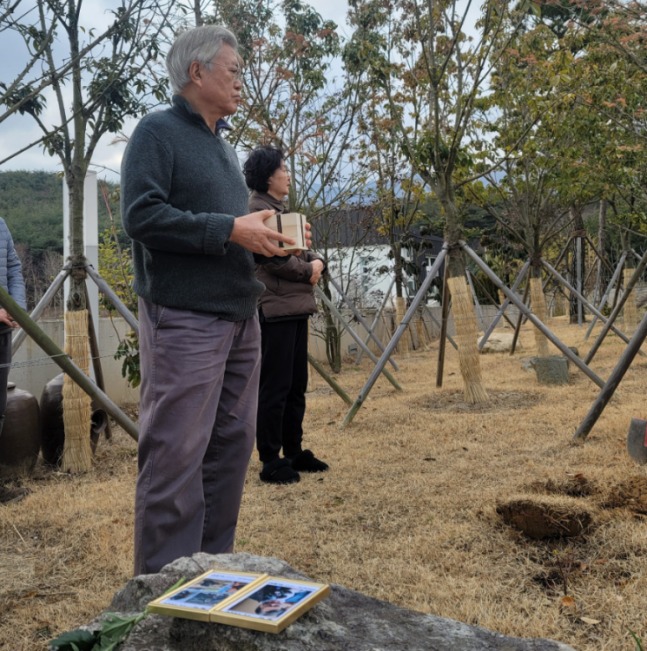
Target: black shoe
x=9 y=495
x=307 y=462
x=279 y=472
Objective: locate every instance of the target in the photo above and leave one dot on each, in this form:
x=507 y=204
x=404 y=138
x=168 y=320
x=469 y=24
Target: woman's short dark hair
x=260 y=165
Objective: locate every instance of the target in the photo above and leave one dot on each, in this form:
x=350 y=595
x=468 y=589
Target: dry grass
x=407 y=512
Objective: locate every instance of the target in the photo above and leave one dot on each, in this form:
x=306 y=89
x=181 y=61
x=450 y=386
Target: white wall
x=359 y=271
x=366 y=273
x=32 y=368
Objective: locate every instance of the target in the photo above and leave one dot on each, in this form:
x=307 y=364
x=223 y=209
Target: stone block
x=551 y=370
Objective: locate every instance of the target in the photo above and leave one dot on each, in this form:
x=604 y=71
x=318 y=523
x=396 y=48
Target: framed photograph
x=272 y=604
x=196 y=599
x=255 y=601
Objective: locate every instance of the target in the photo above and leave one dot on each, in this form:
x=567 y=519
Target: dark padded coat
x=288 y=292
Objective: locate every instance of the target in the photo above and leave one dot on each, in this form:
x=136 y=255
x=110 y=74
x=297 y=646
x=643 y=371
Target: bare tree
x=297 y=99
x=432 y=60
x=95 y=78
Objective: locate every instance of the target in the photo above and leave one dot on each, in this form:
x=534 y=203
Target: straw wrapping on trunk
x=467 y=340
x=538 y=304
x=405 y=343
x=629 y=310
x=77 y=405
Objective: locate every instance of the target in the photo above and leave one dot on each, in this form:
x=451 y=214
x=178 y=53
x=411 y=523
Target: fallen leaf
x=588 y=620
x=568 y=602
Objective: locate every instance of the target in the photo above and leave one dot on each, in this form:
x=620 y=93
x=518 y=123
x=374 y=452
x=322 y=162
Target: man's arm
x=150 y=219
x=251 y=233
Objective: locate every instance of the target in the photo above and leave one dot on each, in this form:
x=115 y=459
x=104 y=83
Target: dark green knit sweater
x=181 y=188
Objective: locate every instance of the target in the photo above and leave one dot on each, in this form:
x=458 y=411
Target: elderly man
x=184 y=204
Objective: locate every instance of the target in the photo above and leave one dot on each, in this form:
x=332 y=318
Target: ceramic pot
x=20 y=437
x=51 y=422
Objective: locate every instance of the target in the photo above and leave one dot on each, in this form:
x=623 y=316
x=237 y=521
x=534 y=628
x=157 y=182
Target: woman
x=284 y=308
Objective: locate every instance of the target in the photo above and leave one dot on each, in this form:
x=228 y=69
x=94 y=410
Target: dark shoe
x=9 y=495
x=279 y=472
x=307 y=462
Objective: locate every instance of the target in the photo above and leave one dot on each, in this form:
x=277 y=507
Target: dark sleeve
x=255 y=204
x=311 y=255
x=147 y=215
x=296 y=268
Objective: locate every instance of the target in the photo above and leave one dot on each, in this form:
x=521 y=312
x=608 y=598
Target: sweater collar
x=277 y=204
x=223 y=125
x=182 y=105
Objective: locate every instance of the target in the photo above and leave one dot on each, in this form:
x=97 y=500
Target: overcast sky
x=18 y=131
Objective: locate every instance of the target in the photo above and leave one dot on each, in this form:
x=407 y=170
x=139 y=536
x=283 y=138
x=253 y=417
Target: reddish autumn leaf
x=568 y=602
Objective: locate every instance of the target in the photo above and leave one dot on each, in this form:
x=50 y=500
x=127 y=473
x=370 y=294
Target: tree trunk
x=579 y=265
x=629 y=311
x=77 y=405
x=602 y=248
x=466 y=339
x=405 y=344
x=462 y=305
x=538 y=305
x=332 y=336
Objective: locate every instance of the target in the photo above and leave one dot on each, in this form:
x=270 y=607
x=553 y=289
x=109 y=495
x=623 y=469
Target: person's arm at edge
x=15 y=279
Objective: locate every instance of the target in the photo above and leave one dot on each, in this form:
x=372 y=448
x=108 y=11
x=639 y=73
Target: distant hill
x=32 y=205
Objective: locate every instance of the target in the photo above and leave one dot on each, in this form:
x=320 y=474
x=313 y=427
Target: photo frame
x=256 y=601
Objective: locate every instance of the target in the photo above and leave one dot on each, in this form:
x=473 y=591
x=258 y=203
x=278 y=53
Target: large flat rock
x=345 y=621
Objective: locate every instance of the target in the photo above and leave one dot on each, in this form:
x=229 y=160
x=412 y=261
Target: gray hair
x=199 y=44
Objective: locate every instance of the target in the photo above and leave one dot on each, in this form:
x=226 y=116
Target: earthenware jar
x=51 y=419
x=20 y=438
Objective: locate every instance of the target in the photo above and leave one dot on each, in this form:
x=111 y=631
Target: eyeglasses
x=236 y=73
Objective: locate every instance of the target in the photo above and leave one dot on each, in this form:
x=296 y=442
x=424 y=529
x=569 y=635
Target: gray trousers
x=199 y=396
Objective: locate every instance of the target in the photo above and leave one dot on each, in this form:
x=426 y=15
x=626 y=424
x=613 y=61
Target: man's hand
x=5 y=317
x=317 y=270
x=251 y=233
